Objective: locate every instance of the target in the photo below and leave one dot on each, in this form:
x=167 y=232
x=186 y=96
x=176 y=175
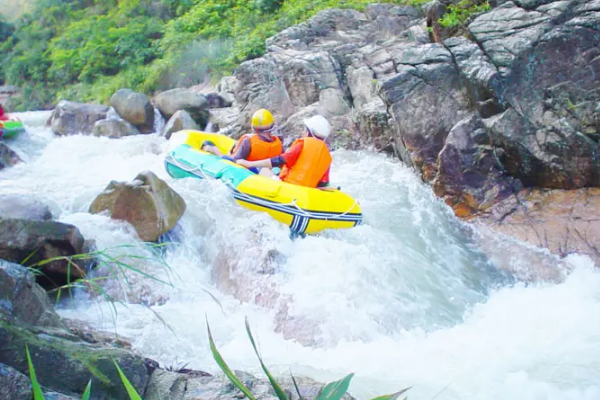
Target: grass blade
x=296 y=386
x=37 y=390
x=29 y=256
x=225 y=368
x=133 y=395
x=278 y=391
x=88 y=390
x=392 y=396
x=335 y=390
x=132 y=268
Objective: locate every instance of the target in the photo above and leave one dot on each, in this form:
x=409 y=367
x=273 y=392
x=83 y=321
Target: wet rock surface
x=196 y=385
x=171 y=101
x=13 y=384
x=114 y=128
x=563 y=221
x=70 y=118
x=23 y=207
x=31 y=241
x=513 y=104
x=134 y=108
x=8 y=157
x=179 y=121
x=147 y=203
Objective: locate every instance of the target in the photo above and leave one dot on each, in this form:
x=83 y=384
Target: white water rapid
x=407 y=299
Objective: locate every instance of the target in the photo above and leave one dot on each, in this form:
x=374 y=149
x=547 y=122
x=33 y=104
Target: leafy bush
x=457 y=15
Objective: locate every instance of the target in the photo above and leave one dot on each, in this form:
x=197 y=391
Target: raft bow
x=305 y=210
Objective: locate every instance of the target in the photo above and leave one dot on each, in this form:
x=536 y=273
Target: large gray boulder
x=171 y=101
x=147 y=203
x=114 y=128
x=179 y=121
x=549 y=135
x=23 y=299
x=13 y=384
x=35 y=241
x=426 y=100
x=221 y=118
x=134 y=108
x=470 y=176
x=64 y=363
x=8 y=158
x=70 y=118
x=23 y=207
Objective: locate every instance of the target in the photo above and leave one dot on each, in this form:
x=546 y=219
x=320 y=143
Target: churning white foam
x=407 y=299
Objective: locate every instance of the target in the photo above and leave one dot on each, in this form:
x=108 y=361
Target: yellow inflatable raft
x=303 y=209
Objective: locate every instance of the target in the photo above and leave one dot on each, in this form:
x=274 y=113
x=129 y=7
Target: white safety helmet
x=318 y=126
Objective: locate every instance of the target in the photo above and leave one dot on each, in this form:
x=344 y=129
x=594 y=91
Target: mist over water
x=413 y=297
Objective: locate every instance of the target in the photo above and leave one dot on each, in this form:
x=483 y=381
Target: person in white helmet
x=307 y=161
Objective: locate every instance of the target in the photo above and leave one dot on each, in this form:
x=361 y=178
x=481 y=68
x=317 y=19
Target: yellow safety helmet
x=262 y=120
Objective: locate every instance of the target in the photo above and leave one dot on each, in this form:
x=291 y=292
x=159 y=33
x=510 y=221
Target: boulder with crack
x=147 y=203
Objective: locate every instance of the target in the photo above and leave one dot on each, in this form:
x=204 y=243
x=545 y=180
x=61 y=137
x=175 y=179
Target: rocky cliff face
x=513 y=104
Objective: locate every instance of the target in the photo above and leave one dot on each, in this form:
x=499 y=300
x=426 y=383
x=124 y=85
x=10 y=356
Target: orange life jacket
x=313 y=162
x=260 y=149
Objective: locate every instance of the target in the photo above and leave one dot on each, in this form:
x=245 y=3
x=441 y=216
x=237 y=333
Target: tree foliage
x=84 y=50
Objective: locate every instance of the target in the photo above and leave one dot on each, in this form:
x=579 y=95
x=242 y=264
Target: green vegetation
x=85 y=50
x=38 y=394
x=332 y=391
x=113 y=262
x=457 y=15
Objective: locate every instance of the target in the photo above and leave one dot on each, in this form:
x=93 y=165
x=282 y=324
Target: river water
x=413 y=297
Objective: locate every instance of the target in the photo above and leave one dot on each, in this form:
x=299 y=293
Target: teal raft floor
x=184 y=162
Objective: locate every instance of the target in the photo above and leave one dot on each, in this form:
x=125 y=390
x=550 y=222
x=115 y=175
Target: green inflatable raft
x=10 y=128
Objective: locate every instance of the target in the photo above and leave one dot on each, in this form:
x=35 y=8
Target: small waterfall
x=159 y=122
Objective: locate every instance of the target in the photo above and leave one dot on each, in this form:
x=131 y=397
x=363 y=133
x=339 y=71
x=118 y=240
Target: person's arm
x=289 y=158
x=266 y=163
x=243 y=150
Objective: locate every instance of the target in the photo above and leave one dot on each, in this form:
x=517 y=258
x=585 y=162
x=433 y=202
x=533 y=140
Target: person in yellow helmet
x=253 y=146
x=306 y=162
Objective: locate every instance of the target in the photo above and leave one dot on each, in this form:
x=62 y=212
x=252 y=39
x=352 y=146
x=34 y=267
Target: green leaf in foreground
x=37 y=390
x=335 y=390
x=278 y=391
x=221 y=363
x=133 y=395
x=88 y=389
x=392 y=396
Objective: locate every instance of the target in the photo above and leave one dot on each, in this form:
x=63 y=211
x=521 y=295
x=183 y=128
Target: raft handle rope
x=259 y=201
